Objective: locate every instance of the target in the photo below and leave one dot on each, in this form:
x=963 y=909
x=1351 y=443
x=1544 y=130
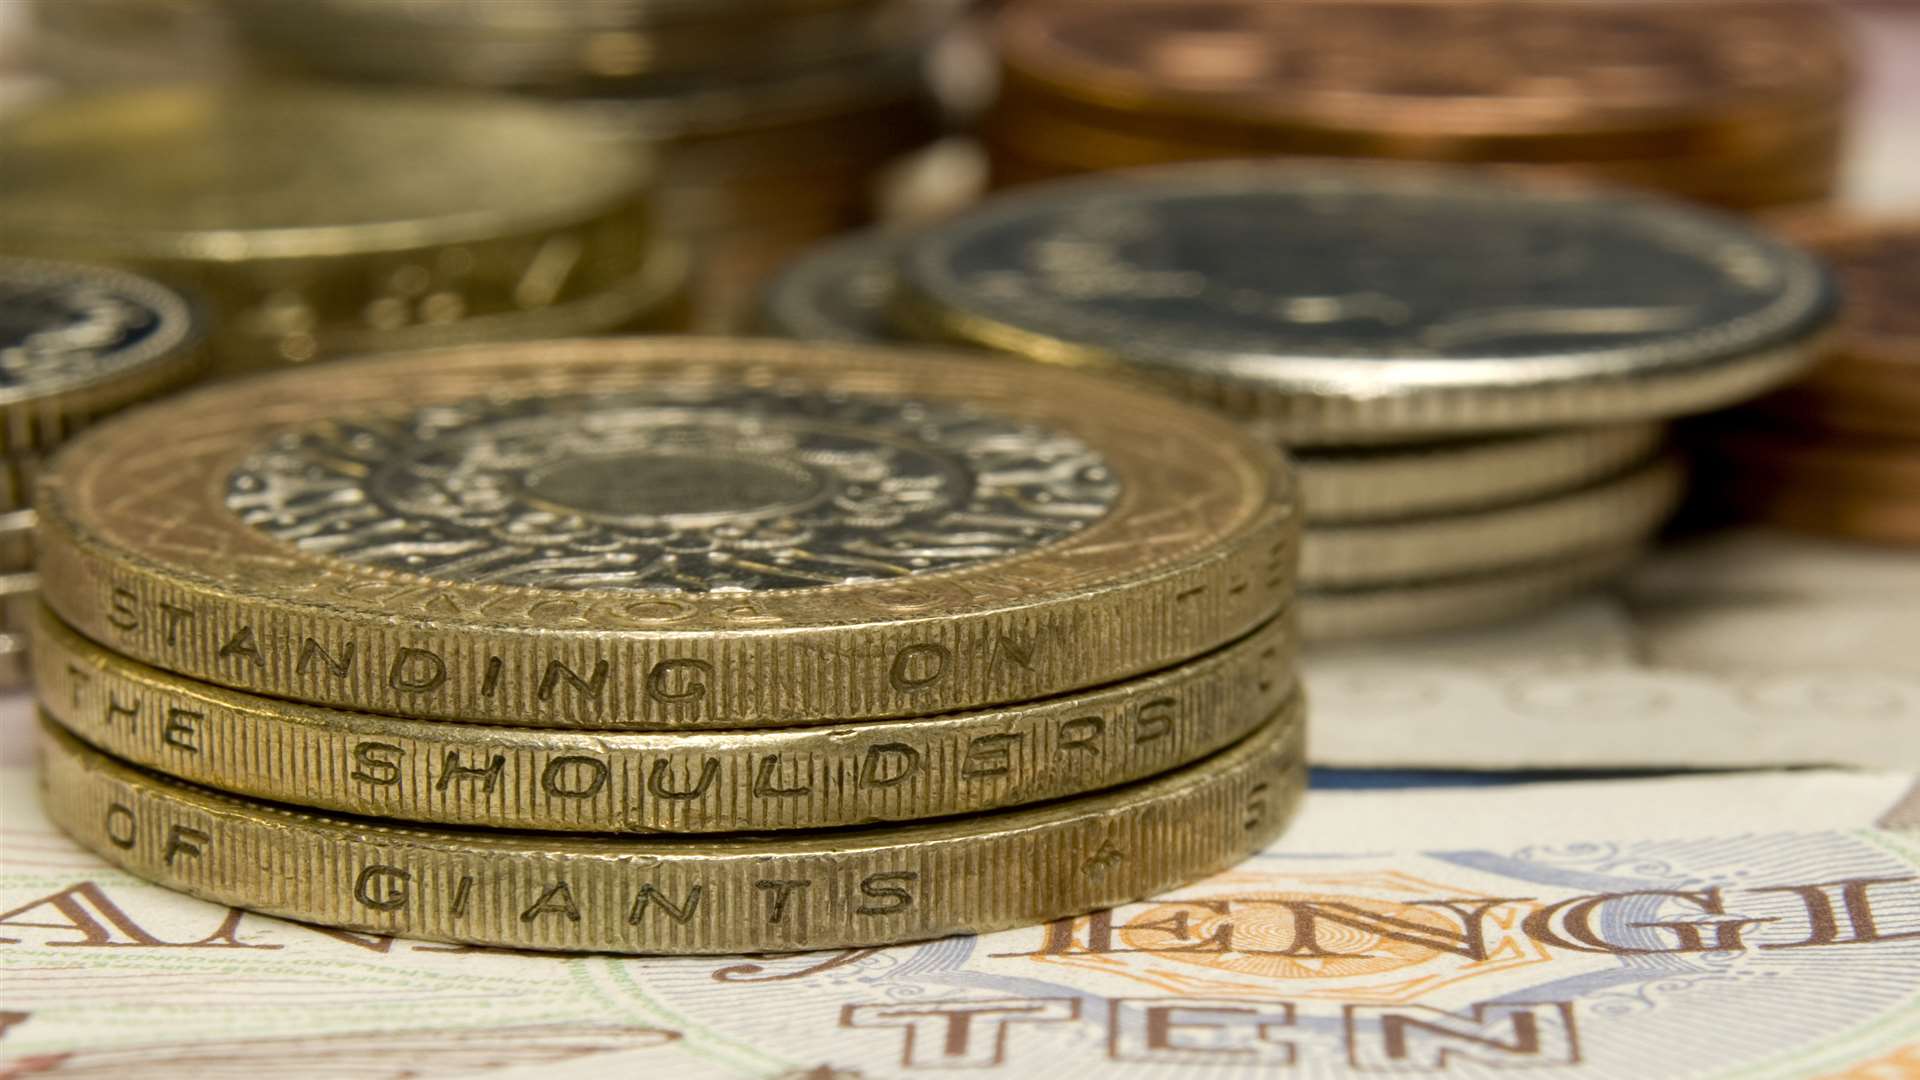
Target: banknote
x=1740 y=649
x=1754 y=925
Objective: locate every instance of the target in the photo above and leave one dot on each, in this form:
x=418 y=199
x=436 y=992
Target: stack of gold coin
x=1839 y=452
x=670 y=646
x=1472 y=373
x=1735 y=102
x=76 y=343
x=314 y=223
x=774 y=121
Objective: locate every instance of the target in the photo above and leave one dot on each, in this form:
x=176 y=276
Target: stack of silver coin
x=76 y=343
x=1473 y=374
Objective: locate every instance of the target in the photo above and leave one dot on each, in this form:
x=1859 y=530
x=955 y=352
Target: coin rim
x=1244 y=571
x=1002 y=870
x=284 y=752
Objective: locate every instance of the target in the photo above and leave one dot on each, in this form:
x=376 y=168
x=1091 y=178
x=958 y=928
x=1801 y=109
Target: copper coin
x=1860 y=488
x=1870 y=384
x=1497 y=70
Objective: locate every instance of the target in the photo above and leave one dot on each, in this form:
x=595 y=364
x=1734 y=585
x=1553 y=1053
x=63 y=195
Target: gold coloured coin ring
x=668 y=534
x=611 y=782
x=682 y=895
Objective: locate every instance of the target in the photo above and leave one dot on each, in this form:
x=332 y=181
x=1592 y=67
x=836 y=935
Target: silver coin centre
x=679 y=489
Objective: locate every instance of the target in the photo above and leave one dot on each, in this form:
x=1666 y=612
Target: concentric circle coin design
x=668 y=534
x=745 y=489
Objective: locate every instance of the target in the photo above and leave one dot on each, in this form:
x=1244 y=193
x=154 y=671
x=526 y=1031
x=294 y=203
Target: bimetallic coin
x=680 y=782
x=669 y=533
x=299 y=214
x=77 y=342
x=1376 y=485
x=1610 y=514
x=1346 y=614
x=1363 y=304
x=1869 y=384
x=831 y=889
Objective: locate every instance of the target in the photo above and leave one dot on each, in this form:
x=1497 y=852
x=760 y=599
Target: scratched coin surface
x=668 y=534
x=1364 y=304
x=77 y=342
x=299 y=214
x=681 y=782
x=827 y=889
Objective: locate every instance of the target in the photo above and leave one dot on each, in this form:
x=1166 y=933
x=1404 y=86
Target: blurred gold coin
x=305 y=217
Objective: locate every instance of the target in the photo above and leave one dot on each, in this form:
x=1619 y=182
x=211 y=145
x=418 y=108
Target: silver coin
x=1359 y=304
x=1381 y=484
x=1613 y=513
x=1448 y=603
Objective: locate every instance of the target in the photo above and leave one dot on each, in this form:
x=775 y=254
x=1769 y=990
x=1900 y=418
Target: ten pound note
x=1751 y=925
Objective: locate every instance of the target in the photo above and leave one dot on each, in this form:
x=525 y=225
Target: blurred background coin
x=314 y=221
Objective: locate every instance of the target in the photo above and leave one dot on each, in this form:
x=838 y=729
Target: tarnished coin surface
x=77 y=342
x=1417 y=607
x=831 y=889
x=1614 y=512
x=1354 y=304
x=300 y=213
x=669 y=533
x=681 y=782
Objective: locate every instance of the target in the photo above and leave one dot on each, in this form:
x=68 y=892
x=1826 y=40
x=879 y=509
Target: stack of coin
x=774 y=121
x=1739 y=103
x=869 y=644
x=1473 y=373
x=1839 y=452
x=314 y=223
x=76 y=343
